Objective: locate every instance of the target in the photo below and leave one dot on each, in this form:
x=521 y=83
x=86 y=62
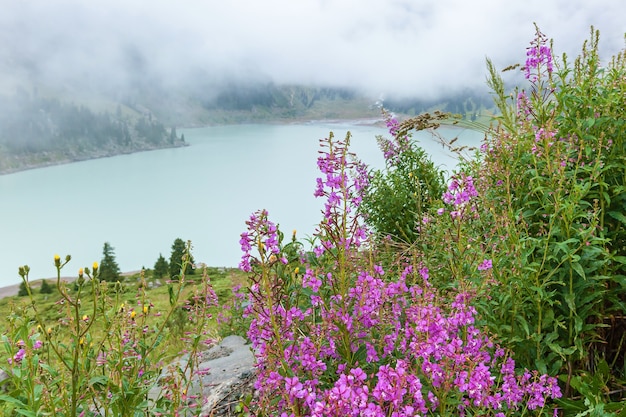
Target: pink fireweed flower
x=336 y=163
x=537 y=56
x=393 y=148
x=101 y=359
x=262 y=233
x=19 y=356
x=309 y=280
x=485 y=265
x=460 y=191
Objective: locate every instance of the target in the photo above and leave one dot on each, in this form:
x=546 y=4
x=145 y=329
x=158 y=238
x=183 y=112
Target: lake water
x=204 y=192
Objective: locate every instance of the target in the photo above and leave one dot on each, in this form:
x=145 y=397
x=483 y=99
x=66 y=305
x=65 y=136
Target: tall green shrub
x=552 y=175
x=398 y=196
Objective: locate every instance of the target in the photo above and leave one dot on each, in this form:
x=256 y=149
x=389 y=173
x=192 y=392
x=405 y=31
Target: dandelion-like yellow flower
x=81 y=341
x=81 y=271
x=95 y=266
x=133 y=314
x=57 y=260
x=49 y=331
x=145 y=309
x=297 y=270
x=85 y=318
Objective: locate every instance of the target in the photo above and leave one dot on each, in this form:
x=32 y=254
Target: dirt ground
x=9 y=291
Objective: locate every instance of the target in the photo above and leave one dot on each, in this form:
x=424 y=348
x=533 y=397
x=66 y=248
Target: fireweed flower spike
x=392 y=148
x=262 y=233
x=538 y=55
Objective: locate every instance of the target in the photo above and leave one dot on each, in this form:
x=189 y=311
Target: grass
x=49 y=308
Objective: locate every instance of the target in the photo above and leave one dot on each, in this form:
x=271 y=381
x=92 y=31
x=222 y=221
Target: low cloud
x=396 y=47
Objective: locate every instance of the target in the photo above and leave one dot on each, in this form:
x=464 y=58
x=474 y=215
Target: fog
x=394 y=47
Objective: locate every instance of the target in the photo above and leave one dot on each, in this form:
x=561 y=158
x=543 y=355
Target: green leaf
x=569 y=300
x=588 y=123
x=12 y=400
x=579 y=269
x=618 y=216
x=38 y=390
x=170 y=290
x=98 y=380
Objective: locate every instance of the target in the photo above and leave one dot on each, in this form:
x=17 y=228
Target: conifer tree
x=23 y=291
x=179 y=248
x=109 y=269
x=45 y=287
x=161 y=267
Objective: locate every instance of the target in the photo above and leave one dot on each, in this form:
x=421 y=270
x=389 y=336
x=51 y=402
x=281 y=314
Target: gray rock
x=231 y=375
x=3 y=376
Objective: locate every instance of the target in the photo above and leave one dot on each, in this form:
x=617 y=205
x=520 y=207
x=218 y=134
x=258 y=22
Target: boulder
x=231 y=375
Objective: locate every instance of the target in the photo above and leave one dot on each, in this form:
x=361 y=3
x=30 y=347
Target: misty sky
x=419 y=47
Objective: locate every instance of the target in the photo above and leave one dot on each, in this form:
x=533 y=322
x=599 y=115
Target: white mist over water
x=204 y=192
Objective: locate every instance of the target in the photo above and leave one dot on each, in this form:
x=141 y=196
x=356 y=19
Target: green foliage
x=549 y=217
x=161 y=267
x=45 y=287
x=553 y=180
x=109 y=269
x=398 y=197
x=96 y=354
x=23 y=290
x=178 y=258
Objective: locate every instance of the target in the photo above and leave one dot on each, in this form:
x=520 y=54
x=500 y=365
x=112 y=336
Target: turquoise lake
x=140 y=203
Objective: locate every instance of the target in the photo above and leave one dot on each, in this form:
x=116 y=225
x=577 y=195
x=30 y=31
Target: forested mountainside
x=39 y=129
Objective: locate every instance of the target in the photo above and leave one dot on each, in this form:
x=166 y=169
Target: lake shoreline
x=47 y=164
x=364 y=121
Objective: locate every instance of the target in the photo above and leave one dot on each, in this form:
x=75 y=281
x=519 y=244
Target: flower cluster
x=460 y=192
x=359 y=340
x=22 y=349
x=423 y=354
x=393 y=148
x=537 y=56
x=343 y=184
x=262 y=233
